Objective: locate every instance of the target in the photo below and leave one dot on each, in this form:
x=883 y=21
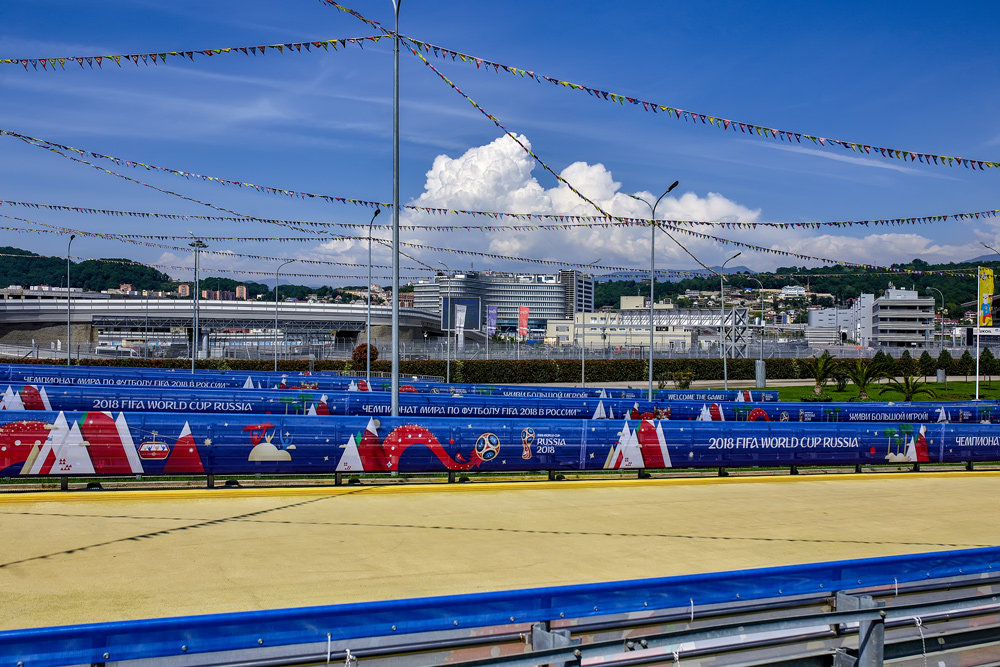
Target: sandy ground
x=99 y=556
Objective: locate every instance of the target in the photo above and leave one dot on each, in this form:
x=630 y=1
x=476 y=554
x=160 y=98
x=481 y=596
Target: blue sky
x=919 y=76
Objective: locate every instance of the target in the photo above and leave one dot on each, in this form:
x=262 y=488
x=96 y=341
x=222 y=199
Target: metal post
x=942 y=312
x=447 y=337
x=368 y=322
x=69 y=330
x=722 y=324
x=652 y=273
x=761 y=317
x=276 y=311
x=145 y=333
x=197 y=244
x=395 y=212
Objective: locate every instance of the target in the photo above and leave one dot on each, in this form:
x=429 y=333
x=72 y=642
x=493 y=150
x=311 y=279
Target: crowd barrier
x=106 y=443
x=154 y=377
x=314 y=402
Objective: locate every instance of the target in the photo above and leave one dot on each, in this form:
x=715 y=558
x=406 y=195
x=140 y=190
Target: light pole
x=197 y=244
x=583 y=337
x=652 y=278
x=395 y=212
x=722 y=322
x=276 y=311
x=761 y=316
x=69 y=332
x=942 y=311
x=145 y=333
x=368 y=323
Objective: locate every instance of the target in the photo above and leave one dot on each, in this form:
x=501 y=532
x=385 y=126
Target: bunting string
x=567 y=221
x=149 y=240
x=180 y=267
x=725 y=124
x=611 y=220
x=160 y=57
x=718 y=122
x=62 y=231
x=636 y=273
x=143 y=240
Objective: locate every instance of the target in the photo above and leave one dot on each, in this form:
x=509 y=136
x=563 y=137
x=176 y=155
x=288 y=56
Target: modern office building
x=547 y=296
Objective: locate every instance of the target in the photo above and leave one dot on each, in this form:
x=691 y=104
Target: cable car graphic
x=154 y=450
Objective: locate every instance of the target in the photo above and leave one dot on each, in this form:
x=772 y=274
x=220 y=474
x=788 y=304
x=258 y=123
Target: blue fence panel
x=151 y=377
x=318 y=402
x=115 y=443
x=157 y=638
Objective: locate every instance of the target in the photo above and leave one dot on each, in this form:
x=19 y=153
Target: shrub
x=360 y=354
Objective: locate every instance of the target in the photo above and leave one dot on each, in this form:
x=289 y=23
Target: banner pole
x=979 y=321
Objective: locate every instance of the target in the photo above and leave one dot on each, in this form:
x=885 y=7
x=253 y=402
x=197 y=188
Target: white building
x=902 y=318
x=792 y=292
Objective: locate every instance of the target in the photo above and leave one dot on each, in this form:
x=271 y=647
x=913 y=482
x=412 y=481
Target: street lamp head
x=672 y=186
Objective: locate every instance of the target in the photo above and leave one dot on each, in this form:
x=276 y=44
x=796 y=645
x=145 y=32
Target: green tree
x=987 y=363
x=966 y=364
x=926 y=364
x=863 y=374
x=821 y=369
x=905 y=365
x=945 y=362
x=909 y=387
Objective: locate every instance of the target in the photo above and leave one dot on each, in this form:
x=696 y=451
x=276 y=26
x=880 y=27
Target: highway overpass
x=44 y=320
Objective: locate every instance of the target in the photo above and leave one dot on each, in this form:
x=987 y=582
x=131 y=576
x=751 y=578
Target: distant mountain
x=983 y=258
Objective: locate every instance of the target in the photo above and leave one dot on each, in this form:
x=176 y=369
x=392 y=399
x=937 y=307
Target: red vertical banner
x=522 y=320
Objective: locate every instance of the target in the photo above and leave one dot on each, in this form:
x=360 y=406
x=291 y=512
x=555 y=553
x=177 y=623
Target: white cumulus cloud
x=500 y=177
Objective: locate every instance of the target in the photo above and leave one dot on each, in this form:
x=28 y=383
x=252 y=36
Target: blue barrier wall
x=308 y=401
x=159 y=638
x=106 y=443
x=152 y=377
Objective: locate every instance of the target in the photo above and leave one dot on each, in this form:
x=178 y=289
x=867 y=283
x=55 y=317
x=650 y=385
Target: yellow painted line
x=77 y=496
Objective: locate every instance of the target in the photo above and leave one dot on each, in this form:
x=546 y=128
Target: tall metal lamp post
x=761 y=316
x=395 y=212
x=652 y=275
x=69 y=331
x=368 y=320
x=197 y=244
x=942 y=312
x=276 y=311
x=722 y=322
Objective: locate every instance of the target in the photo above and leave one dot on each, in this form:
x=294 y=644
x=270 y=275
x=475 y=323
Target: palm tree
x=864 y=373
x=909 y=387
x=822 y=369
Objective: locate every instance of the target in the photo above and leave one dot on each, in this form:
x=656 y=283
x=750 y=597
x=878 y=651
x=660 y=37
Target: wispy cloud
x=860 y=161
